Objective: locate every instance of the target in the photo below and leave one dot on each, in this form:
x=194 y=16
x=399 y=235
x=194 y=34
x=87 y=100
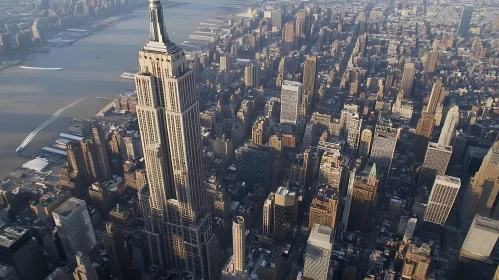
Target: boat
x=127 y=75
x=30 y=58
x=19 y=149
x=187 y=42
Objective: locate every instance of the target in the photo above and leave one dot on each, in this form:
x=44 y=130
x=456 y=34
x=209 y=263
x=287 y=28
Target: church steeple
x=157 y=32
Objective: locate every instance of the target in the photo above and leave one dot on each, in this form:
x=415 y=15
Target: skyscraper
x=481 y=238
x=481 y=196
x=363 y=197
x=239 y=243
x=291 y=93
x=365 y=142
x=276 y=17
x=409 y=230
x=435 y=163
x=383 y=147
x=252 y=76
x=437 y=97
x=331 y=169
x=19 y=250
x=408 y=80
x=100 y=144
x=353 y=130
x=318 y=253
x=324 y=207
x=464 y=22
x=424 y=131
x=431 y=62
x=309 y=76
x=280 y=210
x=442 y=197
x=168 y=114
x=84 y=269
x=117 y=254
x=74 y=228
x=449 y=128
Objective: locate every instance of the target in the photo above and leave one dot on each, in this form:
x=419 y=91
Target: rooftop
x=9 y=235
x=69 y=206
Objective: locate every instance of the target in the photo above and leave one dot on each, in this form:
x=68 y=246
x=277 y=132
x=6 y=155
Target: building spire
x=157 y=32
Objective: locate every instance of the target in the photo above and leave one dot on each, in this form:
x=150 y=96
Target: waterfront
x=91 y=68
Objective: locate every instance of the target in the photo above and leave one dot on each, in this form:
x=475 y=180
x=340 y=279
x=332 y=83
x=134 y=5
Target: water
x=91 y=68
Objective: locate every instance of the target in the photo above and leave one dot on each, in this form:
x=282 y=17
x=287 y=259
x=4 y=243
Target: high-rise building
x=288 y=34
x=20 y=254
x=178 y=222
x=442 y=197
x=301 y=24
x=324 y=207
x=353 y=132
x=409 y=230
x=424 y=131
x=365 y=143
x=481 y=238
x=431 y=62
x=239 y=243
x=363 y=198
x=276 y=17
x=464 y=22
x=74 y=228
x=449 y=129
x=252 y=76
x=436 y=97
x=280 y=211
x=291 y=93
x=435 y=163
x=318 y=253
x=117 y=254
x=408 y=80
x=383 y=147
x=331 y=169
x=481 y=195
x=84 y=268
x=309 y=76
x=100 y=144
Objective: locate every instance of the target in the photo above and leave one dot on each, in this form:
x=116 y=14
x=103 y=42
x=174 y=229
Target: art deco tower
x=179 y=220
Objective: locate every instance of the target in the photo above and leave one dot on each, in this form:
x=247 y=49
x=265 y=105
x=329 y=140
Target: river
x=91 y=68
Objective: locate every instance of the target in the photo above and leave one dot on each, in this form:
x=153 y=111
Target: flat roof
x=36 y=164
x=68 y=206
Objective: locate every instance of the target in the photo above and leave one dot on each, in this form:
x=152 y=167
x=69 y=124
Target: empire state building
x=178 y=219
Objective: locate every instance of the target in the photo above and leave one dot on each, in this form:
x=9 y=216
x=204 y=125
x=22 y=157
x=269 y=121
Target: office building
x=74 y=228
x=168 y=116
x=431 y=61
x=481 y=238
x=482 y=193
x=309 y=78
x=409 y=230
x=436 y=97
x=435 y=163
x=239 y=243
x=276 y=18
x=318 y=253
x=331 y=169
x=383 y=147
x=353 y=132
x=442 y=197
x=301 y=24
x=449 y=129
x=20 y=255
x=117 y=254
x=424 y=131
x=100 y=144
x=365 y=143
x=280 y=211
x=84 y=269
x=417 y=260
x=363 y=199
x=252 y=76
x=288 y=35
x=291 y=93
x=464 y=22
x=408 y=80
x=324 y=207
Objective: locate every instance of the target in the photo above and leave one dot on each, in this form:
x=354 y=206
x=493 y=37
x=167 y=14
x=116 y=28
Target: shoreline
x=122 y=17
